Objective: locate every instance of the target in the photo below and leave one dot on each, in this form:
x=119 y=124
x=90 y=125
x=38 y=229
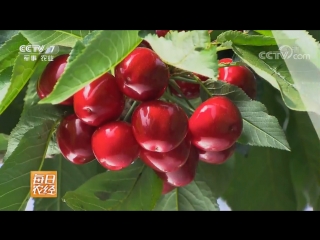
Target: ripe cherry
x=50 y=76
x=114 y=145
x=142 y=75
x=213 y=157
x=159 y=126
x=169 y=161
x=162 y=33
x=216 y=124
x=100 y=101
x=240 y=76
x=167 y=188
x=184 y=175
x=74 y=140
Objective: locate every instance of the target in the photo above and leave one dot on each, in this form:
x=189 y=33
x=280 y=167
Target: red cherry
x=74 y=140
x=240 y=76
x=114 y=145
x=142 y=75
x=159 y=126
x=50 y=76
x=167 y=188
x=213 y=157
x=216 y=124
x=184 y=175
x=162 y=33
x=169 y=161
x=100 y=101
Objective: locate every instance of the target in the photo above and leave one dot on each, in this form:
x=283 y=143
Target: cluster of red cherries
x=159 y=133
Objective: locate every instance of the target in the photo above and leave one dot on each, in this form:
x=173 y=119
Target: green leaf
x=240 y=38
x=10 y=48
x=196 y=196
x=70 y=177
x=5 y=77
x=265 y=32
x=274 y=71
x=6 y=35
x=305 y=161
x=134 y=188
x=22 y=71
x=190 y=51
x=217 y=177
x=48 y=38
x=262 y=181
x=259 y=128
x=215 y=33
x=27 y=146
x=302 y=61
x=3 y=142
x=104 y=52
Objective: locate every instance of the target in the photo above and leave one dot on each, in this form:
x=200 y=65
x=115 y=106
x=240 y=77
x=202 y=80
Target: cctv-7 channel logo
x=32 y=52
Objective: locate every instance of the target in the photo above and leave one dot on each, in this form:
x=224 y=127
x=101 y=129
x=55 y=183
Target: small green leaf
x=22 y=71
x=5 y=77
x=134 y=188
x=239 y=38
x=48 y=38
x=190 y=51
x=196 y=196
x=70 y=177
x=10 y=50
x=273 y=70
x=26 y=151
x=259 y=128
x=3 y=141
x=104 y=52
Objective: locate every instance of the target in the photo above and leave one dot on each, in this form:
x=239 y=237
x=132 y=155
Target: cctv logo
x=37 y=49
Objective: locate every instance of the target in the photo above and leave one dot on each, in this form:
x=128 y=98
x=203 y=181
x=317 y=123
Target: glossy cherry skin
x=184 y=175
x=213 y=157
x=216 y=124
x=162 y=33
x=159 y=126
x=169 y=161
x=50 y=76
x=167 y=188
x=240 y=76
x=114 y=145
x=142 y=75
x=100 y=101
x=74 y=140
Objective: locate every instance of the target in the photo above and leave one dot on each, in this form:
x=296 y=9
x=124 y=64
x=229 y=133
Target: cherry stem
x=131 y=109
x=222 y=48
x=184 y=79
x=197 y=81
x=167 y=96
x=176 y=87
